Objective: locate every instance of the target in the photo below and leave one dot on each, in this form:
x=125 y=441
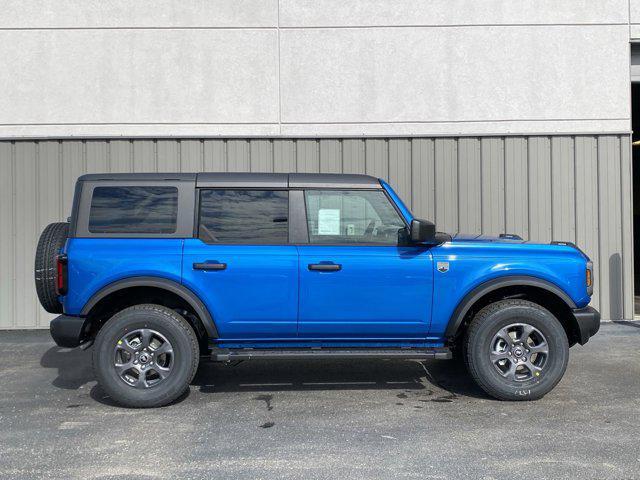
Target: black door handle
x=209 y=266
x=325 y=267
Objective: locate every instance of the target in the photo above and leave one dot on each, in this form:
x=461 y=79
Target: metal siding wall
x=492 y=186
x=542 y=188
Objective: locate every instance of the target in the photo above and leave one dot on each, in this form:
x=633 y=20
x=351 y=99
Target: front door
x=358 y=278
x=241 y=265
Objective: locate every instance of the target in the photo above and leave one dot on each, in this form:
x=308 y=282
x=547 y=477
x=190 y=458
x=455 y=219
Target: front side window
x=135 y=210
x=258 y=217
x=352 y=217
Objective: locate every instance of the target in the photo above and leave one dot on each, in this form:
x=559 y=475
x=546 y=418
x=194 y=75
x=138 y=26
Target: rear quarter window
x=134 y=209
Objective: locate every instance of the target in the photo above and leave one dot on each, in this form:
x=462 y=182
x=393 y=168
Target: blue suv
x=160 y=270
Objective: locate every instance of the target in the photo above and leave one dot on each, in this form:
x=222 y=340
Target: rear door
x=358 y=277
x=241 y=264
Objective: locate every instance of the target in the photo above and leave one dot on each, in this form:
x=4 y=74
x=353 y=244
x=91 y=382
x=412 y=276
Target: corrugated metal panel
x=610 y=211
x=25 y=211
x=516 y=186
x=469 y=176
x=400 y=167
x=626 y=193
x=542 y=188
x=446 y=178
x=492 y=186
x=539 y=188
x=377 y=158
x=7 y=235
x=587 y=211
x=423 y=181
x=563 y=190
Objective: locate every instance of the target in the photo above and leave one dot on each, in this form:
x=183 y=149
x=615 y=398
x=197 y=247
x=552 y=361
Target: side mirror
x=422 y=231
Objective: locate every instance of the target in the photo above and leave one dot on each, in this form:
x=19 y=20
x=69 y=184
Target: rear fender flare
x=163 y=283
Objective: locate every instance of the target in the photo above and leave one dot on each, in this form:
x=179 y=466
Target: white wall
x=313 y=67
x=634 y=10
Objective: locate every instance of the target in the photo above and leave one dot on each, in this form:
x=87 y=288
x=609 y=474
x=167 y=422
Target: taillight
x=61 y=274
x=589 y=278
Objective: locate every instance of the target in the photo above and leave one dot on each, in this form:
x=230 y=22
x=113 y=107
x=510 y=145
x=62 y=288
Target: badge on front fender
x=443 y=267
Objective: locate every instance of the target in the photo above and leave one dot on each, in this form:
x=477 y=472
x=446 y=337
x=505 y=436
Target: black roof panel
x=90 y=177
x=249 y=180
x=332 y=180
x=284 y=180
x=242 y=179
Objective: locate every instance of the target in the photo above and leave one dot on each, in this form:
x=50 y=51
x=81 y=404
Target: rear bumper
x=588 y=320
x=67 y=331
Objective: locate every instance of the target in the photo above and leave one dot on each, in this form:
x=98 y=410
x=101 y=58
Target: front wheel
x=516 y=350
x=145 y=356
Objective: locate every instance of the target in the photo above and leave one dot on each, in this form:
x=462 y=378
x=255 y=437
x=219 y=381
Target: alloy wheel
x=519 y=352
x=143 y=358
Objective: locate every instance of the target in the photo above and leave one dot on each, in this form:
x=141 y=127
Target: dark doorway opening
x=635 y=139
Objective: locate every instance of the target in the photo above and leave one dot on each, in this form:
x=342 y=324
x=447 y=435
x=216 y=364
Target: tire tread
x=51 y=241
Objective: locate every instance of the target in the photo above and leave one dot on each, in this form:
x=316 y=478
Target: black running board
x=228 y=355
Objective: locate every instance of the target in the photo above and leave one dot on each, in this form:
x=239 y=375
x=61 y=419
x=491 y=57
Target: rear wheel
x=516 y=350
x=146 y=356
x=51 y=241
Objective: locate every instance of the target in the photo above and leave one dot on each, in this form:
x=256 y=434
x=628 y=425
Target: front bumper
x=67 y=331
x=588 y=321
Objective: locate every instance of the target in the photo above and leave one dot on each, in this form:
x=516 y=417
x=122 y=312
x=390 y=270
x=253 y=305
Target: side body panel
x=255 y=296
x=379 y=292
x=465 y=265
x=94 y=263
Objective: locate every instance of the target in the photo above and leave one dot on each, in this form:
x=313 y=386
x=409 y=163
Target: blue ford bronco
x=159 y=271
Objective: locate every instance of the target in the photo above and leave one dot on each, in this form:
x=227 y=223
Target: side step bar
x=228 y=355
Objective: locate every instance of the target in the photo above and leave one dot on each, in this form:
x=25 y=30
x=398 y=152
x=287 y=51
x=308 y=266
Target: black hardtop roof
x=248 y=180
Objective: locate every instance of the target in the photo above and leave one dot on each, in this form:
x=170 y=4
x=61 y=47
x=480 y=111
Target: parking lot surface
x=321 y=419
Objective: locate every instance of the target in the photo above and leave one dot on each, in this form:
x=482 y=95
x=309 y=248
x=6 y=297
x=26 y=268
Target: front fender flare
x=489 y=286
x=163 y=283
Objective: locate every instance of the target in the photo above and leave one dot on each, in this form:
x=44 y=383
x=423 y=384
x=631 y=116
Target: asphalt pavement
x=365 y=419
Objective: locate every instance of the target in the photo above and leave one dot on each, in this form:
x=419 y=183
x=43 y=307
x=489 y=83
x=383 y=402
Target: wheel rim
x=143 y=358
x=519 y=352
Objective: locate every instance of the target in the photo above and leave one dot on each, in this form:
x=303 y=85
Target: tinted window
x=256 y=217
x=352 y=217
x=134 y=210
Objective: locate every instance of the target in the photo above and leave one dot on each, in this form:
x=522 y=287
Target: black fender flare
x=158 y=282
x=489 y=286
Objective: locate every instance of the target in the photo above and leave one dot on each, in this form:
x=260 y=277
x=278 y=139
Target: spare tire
x=52 y=239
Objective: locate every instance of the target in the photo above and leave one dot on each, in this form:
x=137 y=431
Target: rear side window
x=135 y=210
x=257 y=217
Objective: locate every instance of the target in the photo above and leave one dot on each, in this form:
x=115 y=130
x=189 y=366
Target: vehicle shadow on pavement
x=445 y=380
x=448 y=378
x=74 y=366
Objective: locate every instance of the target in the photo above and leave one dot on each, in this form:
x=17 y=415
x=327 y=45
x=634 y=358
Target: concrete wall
x=313 y=67
x=634 y=11
x=572 y=188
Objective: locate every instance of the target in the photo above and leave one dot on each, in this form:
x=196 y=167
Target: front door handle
x=209 y=266
x=325 y=267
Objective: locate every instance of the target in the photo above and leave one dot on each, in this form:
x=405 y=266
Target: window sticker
x=329 y=221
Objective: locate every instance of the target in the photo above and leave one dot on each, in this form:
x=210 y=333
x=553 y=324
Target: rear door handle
x=210 y=266
x=325 y=267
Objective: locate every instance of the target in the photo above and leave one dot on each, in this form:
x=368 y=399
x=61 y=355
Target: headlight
x=589 y=278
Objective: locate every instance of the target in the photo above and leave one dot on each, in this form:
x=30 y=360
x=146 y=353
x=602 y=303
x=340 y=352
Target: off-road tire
x=478 y=344
x=51 y=240
x=164 y=321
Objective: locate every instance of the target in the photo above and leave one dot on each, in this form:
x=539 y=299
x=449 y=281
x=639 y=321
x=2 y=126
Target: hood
x=474 y=237
x=509 y=238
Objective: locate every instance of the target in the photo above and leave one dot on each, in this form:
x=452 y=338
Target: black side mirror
x=423 y=231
